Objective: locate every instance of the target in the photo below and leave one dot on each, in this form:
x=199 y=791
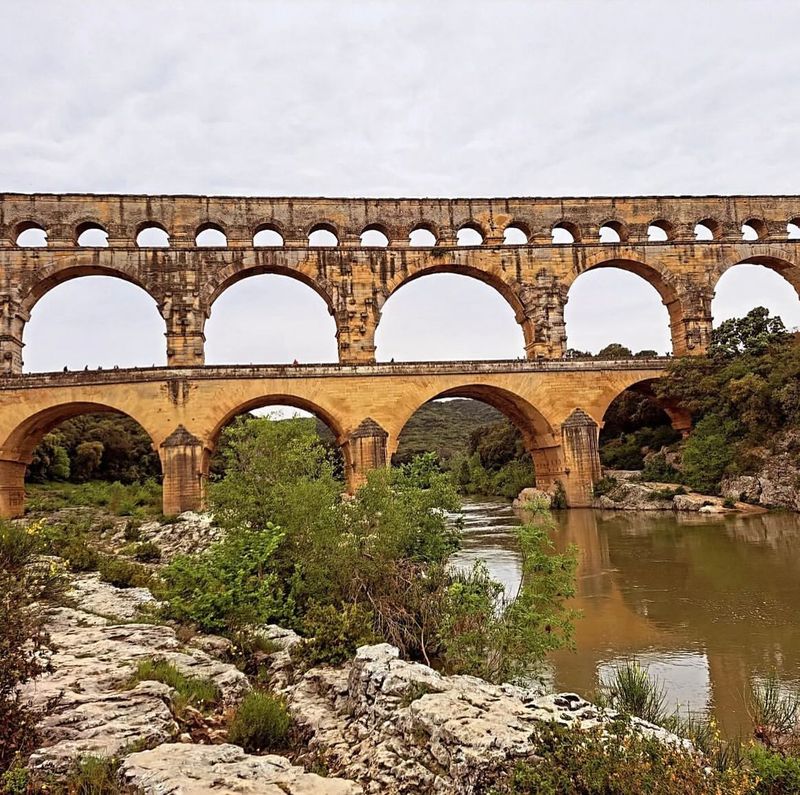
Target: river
x=705 y=603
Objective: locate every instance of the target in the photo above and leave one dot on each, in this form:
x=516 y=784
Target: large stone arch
x=541 y=439
x=19 y=437
x=504 y=283
x=674 y=295
x=776 y=259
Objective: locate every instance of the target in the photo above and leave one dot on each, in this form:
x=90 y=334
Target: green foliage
x=614 y=351
x=261 y=723
x=135 y=499
x=122 y=573
x=15 y=781
x=631 y=690
x=147 y=552
x=27 y=584
x=229 y=585
x=708 y=452
x=775 y=713
x=108 y=447
x=604 y=486
x=511 y=642
x=333 y=634
x=93 y=775
x=569 y=761
x=774 y=773
x=657 y=470
x=189 y=690
x=751 y=334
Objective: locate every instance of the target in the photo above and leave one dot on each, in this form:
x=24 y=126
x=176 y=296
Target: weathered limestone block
x=403 y=728
x=180 y=769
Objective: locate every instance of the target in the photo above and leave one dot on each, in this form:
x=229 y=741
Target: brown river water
x=706 y=604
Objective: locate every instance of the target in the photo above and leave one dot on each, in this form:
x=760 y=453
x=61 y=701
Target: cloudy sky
x=382 y=98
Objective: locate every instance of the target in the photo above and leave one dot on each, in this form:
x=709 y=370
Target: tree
x=614 y=351
x=751 y=334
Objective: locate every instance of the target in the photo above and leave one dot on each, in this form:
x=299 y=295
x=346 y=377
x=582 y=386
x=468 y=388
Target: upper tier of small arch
x=62 y=219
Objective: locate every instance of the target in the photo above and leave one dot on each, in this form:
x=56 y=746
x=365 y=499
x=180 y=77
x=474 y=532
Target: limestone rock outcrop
x=401 y=727
x=179 y=769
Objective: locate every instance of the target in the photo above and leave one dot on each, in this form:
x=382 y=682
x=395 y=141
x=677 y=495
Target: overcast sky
x=393 y=99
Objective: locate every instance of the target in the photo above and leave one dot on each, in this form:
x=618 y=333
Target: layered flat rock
x=177 y=769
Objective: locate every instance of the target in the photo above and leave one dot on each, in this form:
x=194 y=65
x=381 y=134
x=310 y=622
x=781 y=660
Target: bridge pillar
x=185 y=319
x=542 y=317
x=690 y=322
x=12 y=489
x=12 y=324
x=367 y=451
x=356 y=323
x=182 y=467
x=579 y=443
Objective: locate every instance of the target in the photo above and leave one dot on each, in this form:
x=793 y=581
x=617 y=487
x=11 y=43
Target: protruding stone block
x=182 y=466
x=367 y=450
x=579 y=440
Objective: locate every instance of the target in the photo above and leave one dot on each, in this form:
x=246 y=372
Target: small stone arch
x=379 y=228
x=89 y=225
x=25 y=225
x=270 y=226
x=616 y=226
x=424 y=226
x=569 y=227
x=513 y=226
x=758 y=226
x=472 y=226
x=211 y=226
x=712 y=225
x=323 y=226
x=144 y=226
x=665 y=226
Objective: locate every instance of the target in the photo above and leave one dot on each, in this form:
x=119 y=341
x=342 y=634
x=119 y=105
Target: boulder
x=401 y=727
x=182 y=769
x=532 y=495
x=743 y=487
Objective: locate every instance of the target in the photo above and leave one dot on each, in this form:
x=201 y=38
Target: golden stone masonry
x=557 y=404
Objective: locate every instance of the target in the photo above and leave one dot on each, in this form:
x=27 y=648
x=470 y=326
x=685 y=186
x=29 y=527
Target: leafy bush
x=93 y=775
x=657 y=470
x=708 y=453
x=133 y=530
x=189 y=690
x=604 y=486
x=147 y=552
x=334 y=634
x=261 y=723
x=775 y=773
x=570 y=761
x=134 y=499
x=122 y=573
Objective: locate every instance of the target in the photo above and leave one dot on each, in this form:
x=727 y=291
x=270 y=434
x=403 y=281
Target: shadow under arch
x=508 y=291
x=539 y=437
x=656 y=278
x=679 y=417
x=23 y=438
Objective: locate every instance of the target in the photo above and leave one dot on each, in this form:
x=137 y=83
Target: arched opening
x=374 y=237
x=267 y=236
x=754 y=229
x=564 y=233
x=298 y=418
x=707 y=229
x=152 y=235
x=659 y=231
x=94 y=321
x=446 y=316
x=31 y=235
x=469 y=235
x=323 y=236
x=639 y=435
x=748 y=285
x=793 y=229
x=613 y=232
x=270 y=318
x=422 y=236
x=210 y=236
x=617 y=310
x=515 y=235
x=91 y=235
x=88 y=453
x=486 y=436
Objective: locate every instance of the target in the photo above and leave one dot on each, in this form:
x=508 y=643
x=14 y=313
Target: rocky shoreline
x=377 y=724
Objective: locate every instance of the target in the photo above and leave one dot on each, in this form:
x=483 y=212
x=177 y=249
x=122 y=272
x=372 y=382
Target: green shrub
x=80 y=556
x=631 y=690
x=708 y=452
x=570 y=761
x=93 y=775
x=604 y=486
x=261 y=723
x=334 y=634
x=123 y=573
x=147 y=552
x=189 y=690
x=133 y=530
x=776 y=773
x=656 y=469
x=774 y=711
x=15 y=781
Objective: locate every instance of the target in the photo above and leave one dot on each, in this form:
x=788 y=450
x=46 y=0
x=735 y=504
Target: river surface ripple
x=707 y=604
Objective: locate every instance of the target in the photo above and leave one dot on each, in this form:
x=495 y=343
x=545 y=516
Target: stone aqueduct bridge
x=558 y=405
